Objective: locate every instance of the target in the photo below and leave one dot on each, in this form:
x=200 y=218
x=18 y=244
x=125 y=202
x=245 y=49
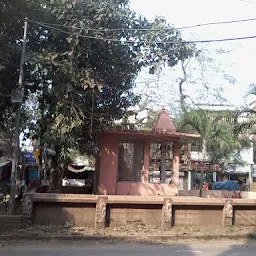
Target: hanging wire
x=145 y=41
x=148 y=29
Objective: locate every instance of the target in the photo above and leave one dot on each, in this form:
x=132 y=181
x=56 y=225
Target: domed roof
x=164 y=123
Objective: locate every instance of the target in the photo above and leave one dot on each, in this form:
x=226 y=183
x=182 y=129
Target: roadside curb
x=115 y=238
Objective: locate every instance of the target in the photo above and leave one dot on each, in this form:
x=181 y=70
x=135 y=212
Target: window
x=130 y=160
x=196 y=146
x=160 y=153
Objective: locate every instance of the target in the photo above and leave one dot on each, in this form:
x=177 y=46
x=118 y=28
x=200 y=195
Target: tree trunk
x=202 y=170
x=182 y=80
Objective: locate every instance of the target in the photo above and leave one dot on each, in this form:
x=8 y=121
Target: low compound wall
x=218 y=194
x=162 y=212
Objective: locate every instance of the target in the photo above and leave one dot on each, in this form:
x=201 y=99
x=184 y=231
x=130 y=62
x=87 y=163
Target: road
x=69 y=248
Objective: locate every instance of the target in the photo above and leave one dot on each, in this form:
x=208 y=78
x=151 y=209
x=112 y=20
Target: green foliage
x=222 y=144
x=245 y=118
x=80 y=85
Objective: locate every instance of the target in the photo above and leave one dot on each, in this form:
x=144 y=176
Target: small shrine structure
x=142 y=163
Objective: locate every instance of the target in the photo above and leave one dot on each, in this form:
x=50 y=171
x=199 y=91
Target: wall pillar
x=27 y=210
x=100 y=212
x=250 y=177
x=228 y=213
x=176 y=166
x=167 y=214
x=219 y=177
x=214 y=176
x=189 y=180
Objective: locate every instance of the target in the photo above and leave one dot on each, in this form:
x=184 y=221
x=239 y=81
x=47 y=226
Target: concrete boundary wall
x=163 y=212
x=219 y=194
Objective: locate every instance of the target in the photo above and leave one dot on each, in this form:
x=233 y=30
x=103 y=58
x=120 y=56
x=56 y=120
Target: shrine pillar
x=176 y=165
x=146 y=161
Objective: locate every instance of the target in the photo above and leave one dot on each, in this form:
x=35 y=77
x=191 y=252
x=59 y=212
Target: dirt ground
x=4 y=207
x=138 y=231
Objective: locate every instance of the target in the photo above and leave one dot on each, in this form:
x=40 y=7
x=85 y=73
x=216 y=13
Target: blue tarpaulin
x=231 y=185
x=33 y=174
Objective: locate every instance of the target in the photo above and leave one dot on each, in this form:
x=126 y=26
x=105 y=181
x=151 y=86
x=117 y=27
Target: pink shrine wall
x=108 y=183
x=108 y=165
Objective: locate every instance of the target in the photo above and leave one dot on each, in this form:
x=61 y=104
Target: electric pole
x=16 y=143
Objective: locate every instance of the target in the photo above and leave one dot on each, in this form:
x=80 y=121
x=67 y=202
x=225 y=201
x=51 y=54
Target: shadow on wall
x=145 y=189
x=71 y=214
x=133 y=216
x=244 y=216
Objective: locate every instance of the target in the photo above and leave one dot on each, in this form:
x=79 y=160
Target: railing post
x=27 y=210
x=100 y=212
x=228 y=213
x=167 y=214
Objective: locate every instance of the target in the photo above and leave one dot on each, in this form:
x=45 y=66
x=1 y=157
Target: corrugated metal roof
x=4 y=164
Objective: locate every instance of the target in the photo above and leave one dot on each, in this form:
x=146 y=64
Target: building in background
x=241 y=173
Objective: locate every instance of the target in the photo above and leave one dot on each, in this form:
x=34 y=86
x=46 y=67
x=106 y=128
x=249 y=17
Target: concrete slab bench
x=244 y=202
x=198 y=201
x=61 y=198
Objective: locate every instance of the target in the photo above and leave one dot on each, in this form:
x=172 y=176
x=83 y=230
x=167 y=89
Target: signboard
x=29 y=158
x=199 y=165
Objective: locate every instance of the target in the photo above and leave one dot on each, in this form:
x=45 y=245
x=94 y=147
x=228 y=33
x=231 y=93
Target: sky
x=237 y=61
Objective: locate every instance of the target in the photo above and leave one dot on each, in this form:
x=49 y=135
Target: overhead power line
x=152 y=29
x=218 y=23
x=247 y=1
x=144 y=41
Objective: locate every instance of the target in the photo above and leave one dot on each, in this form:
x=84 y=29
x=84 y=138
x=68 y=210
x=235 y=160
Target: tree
x=12 y=14
x=190 y=82
x=220 y=143
x=246 y=118
x=86 y=83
